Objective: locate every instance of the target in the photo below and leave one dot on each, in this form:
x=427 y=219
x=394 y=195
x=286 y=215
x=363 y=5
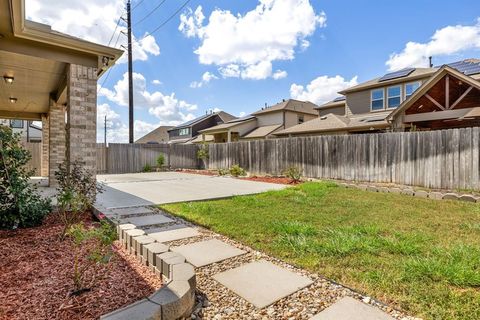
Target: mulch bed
x=202 y=172
x=278 y=180
x=36 y=277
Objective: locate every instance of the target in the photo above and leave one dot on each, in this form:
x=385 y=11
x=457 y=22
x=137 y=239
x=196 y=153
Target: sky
x=237 y=56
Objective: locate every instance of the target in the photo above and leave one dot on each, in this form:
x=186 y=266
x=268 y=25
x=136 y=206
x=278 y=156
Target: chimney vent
x=430 y=64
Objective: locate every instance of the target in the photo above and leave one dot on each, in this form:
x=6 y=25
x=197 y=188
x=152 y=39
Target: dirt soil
x=36 y=277
x=202 y=172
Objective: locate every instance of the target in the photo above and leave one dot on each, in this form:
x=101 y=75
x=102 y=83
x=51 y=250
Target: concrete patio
x=143 y=189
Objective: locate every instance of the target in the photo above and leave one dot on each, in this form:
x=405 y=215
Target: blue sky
x=274 y=49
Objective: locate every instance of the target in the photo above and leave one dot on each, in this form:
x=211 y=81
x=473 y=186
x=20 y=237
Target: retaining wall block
x=372 y=189
x=467 y=198
x=383 y=190
x=421 y=194
x=150 y=251
x=450 y=196
x=121 y=228
x=170 y=261
x=395 y=190
x=362 y=187
x=139 y=242
x=129 y=235
x=176 y=299
x=158 y=261
x=408 y=192
x=436 y=195
x=184 y=272
x=142 y=309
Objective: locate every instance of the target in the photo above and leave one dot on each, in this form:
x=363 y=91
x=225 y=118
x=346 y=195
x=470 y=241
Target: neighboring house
x=188 y=131
x=389 y=102
x=264 y=123
x=159 y=135
x=29 y=131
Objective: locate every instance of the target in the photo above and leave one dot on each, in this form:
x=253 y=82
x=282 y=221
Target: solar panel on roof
x=188 y=123
x=466 y=67
x=241 y=119
x=397 y=74
x=337 y=99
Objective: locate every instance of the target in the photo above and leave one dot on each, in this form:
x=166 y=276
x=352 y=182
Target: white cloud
x=241 y=114
x=91 y=20
x=446 y=41
x=206 y=78
x=321 y=89
x=156 y=82
x=246 y=45
x=166 y=108
x=279 y=74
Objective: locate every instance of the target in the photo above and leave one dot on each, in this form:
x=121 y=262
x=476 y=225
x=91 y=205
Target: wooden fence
x=447 y=159
x=128 y=158
x=35 y=163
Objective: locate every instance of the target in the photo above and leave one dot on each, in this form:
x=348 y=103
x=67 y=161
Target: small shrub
x=92 y=247
x=77 y=191
x=293 y=173
x=202 y=153
x=160 y=161
x=237 y=171
x=223 y=172
x=20 y=204
x=147 y=168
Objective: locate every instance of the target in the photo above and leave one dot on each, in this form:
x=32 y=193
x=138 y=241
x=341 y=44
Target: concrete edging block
x=129 y=235
x=450 y=196
x=176 y=300
x=121 y=228
x=421 y=194
x=467 y=198
x=139 y=242
x=150 y=251
x=143 y=309
x=184 y=272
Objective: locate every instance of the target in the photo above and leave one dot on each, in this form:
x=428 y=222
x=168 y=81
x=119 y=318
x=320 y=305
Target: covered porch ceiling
x=36 y=57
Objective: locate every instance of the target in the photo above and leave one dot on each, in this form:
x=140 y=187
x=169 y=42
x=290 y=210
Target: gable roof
x=444 y=70
x=225 y=117
x=261 y=132
x=332 y=104
x=332 y=122
x=291 y=105
x=228 y=125
x=155 y=134
x=418 y=73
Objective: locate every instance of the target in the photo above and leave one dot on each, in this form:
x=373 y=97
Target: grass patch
x=420 y=255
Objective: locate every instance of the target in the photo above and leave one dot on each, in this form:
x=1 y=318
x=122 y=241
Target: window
x=410 y=88
x=184 y=131
x=16 y=124
x=394 y=96
x=300 y=119
x=377 y=99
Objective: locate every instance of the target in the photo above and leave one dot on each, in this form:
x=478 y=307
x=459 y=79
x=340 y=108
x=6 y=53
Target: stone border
x=412 y=192
x=174 y=300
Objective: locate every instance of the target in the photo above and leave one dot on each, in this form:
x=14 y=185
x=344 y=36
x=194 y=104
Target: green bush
x=294 y=173
x=237 y=171
x=223 y=172
x=160 y=161
x=147 y=168
x=76 y=192
x=20 y=204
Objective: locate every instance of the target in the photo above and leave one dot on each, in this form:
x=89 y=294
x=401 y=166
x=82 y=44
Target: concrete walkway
x=143 y=189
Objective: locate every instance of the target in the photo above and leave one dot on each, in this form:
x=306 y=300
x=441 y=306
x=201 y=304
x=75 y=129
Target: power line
x=150 y=13
x=169 y=18
x=115 y=30
x=138 y=3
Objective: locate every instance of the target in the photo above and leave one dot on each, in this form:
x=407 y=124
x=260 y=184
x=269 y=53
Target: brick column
x=82 y=116
x=57 y=139
x=45 y=145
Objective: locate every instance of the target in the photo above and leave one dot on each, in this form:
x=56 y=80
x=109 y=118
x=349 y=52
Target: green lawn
x=419 y=255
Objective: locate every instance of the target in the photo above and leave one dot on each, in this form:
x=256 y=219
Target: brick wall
x=82 y=116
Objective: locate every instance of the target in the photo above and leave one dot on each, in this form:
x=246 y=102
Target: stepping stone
x=203 y=253
x=262 y=283
x=147 y=220
x=132 y=211
x=349 y=308
x=177 y=232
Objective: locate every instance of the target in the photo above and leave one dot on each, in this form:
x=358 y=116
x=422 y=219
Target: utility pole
x=105 y=131
x=130 y=75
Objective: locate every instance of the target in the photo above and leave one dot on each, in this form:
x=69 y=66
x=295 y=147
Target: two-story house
x=265 y=122
x=393 y=101
x=28 y=130
x=188 y=131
